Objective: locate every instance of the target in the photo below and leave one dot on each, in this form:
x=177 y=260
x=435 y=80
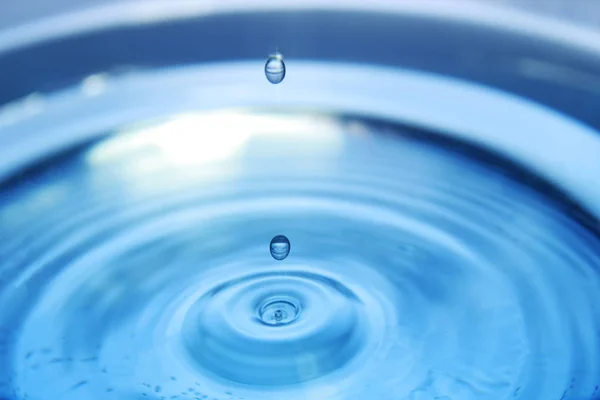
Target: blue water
x=419 y=271
x=445 y=238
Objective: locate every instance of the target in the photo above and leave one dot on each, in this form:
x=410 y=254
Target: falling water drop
x=275 y=68
x=280 y=247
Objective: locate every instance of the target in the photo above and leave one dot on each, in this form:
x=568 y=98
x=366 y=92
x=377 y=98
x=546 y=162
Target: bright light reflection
x=196 y=139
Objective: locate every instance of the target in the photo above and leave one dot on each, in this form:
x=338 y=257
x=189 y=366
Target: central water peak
x=278 y=311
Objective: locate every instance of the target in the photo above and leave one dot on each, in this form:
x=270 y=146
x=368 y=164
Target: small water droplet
x=275 y=68
x=280 y=247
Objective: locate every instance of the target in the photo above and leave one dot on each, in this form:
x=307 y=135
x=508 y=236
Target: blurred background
x=583 y=12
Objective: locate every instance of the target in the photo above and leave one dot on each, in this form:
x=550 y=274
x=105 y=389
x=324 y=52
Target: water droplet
x=280 y=247
x=275 y=68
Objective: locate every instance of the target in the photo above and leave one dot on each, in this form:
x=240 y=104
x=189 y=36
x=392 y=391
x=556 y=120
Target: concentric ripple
x=422 y=269
x=299 y=325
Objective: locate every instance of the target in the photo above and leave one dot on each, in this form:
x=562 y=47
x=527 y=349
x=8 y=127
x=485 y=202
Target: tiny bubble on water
x=280 y=247
x=275 y=69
